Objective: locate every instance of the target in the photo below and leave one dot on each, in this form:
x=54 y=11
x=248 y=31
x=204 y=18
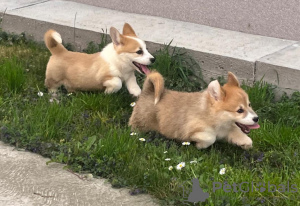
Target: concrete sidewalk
x=26 y=180
x=250 y=57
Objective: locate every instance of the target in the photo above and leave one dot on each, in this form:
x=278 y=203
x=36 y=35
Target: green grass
x=89 y=132
x=93 y=47
x=12 y=75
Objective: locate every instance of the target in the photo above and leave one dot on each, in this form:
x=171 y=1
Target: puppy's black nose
x=255 y=119
x=152 y=60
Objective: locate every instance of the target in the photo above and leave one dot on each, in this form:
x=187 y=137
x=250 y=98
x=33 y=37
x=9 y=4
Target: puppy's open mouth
x=246 y=128
x=142 y=68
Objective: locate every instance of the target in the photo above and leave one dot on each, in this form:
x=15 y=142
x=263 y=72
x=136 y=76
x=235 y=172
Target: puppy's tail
x=53 y=42
x=154 y=83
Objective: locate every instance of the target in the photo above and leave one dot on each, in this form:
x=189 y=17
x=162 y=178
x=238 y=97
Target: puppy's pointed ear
x=115 y=36
x=128 y=30
x=215 y=90
x=232 y=80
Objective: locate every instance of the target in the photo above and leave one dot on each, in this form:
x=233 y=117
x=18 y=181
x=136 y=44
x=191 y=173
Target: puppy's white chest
x=114 y=71
x=223 y=130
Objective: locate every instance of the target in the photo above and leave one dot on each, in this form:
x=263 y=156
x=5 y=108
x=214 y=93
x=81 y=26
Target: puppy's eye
x=249 y=104
x=240 y=111
x=139 y=51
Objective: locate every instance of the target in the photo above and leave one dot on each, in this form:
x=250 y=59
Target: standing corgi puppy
x=219 y=112
x=105 y=70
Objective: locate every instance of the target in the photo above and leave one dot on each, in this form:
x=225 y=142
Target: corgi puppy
x=219 y=112
x=105 y=70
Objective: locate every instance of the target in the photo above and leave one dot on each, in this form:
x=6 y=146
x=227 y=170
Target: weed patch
x=179 y=69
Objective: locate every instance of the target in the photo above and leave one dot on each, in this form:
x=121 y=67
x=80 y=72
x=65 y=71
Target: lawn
x=89 y=132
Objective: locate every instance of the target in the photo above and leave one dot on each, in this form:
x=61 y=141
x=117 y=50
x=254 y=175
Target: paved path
x=26 y=180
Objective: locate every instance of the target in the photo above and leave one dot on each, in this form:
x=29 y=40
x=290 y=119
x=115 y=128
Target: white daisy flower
x=180 y=165
x=132 y=133
x=132 y=104
x=171 y=168
x=69 y=94
x=89 y=176
x=165 y=152
x=53 y=99
x=222 y=171
x=142 y=139
x=168 y=159
x=186 y=143
x=40 y=94
x=193 y=162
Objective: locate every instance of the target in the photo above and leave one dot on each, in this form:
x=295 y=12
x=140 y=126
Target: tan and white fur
x=219 y=112
x=105 y=70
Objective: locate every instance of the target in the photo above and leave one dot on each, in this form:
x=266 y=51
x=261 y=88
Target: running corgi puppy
x=105 y=70
x=219 y=112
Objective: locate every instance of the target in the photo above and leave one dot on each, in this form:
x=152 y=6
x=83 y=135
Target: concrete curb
x=250 y=57
x=25 y=179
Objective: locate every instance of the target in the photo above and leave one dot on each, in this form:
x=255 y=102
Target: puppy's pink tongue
x=145 y=69
x=255 y=126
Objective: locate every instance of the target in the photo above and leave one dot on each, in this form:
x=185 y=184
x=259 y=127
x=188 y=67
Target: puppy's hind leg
x=203 y=139
x=112 y=85
x=52 y=88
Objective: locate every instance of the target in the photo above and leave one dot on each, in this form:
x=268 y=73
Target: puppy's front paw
x=202 y=145
x=136 y=92
x=245 y=144
x=110 y=90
